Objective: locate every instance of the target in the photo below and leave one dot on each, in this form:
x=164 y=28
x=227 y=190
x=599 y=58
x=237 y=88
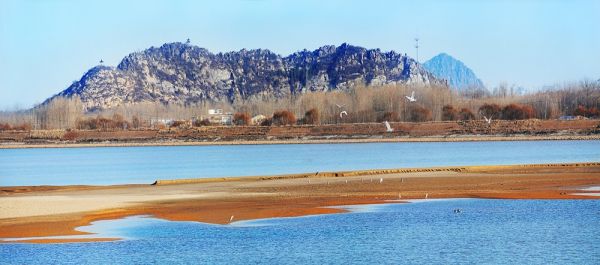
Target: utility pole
x=417 y=48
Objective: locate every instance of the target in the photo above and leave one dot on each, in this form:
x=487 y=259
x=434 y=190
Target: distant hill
x=458 y=75
x=183 y=73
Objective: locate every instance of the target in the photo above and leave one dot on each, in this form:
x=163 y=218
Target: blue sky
x=45 y=45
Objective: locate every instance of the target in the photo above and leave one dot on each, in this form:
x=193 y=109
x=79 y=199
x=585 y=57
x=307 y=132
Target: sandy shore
x=58 y=210
x=453 y=138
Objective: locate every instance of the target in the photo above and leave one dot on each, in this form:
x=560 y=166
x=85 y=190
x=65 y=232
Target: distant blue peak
x=458 y=75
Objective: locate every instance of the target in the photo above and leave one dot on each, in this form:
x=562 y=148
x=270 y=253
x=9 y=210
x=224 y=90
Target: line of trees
x=359 y=105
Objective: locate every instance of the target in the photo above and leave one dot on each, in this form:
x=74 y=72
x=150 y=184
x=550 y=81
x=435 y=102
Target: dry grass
x=47 y=134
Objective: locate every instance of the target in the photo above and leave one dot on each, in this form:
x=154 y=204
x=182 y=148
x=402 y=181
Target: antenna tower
x=417 y=48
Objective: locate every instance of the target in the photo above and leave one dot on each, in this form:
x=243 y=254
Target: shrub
x=419 y=114
x=580 y=111
x=241 y=118
x=283 y=117
x=593 y=112
x=490 y=110
x=266 y=122
x=528 y=112
x=312 y=116
x=177 y=124
x=200 y=123
x=70 y=135
x=135 y=122
x=449 y=113
x=583 y=111
x=466 y=114
x=118 y=122
x=22 y=127
x=517 y=112
x=4 y=126
x=389 y=116
x=102 y=123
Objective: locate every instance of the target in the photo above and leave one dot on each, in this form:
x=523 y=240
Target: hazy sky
x=46 y=44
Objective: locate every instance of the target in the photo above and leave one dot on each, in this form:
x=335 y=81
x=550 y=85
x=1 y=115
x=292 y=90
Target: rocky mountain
x=183 y=73
x=458 y=75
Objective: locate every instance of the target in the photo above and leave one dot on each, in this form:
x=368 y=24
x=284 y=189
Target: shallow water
x=486 y=232
x=119 y=165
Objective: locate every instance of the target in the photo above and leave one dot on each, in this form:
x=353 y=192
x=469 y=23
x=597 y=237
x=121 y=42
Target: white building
x=215 y=111
x=160 y=121
x=218 y=116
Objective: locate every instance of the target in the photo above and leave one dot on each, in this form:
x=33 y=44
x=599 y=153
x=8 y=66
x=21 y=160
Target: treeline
x=491 y=111
x=359 y=105
x=17 y=127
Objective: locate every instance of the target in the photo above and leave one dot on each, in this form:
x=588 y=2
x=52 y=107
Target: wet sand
x=53 y=211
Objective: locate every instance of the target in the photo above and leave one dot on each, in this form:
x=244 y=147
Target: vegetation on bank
x=360 y=105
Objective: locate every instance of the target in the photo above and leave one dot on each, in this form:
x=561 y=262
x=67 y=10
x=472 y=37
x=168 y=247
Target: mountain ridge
x=184 y=73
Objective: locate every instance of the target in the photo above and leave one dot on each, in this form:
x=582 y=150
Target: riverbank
x=456 y=138
x=58 y=210
x=328 y=133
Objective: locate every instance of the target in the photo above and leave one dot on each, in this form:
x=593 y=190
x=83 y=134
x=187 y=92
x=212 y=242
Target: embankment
x=360 y=132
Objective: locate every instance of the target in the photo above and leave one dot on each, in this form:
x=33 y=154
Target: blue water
x=118 y=165
x=486 y=232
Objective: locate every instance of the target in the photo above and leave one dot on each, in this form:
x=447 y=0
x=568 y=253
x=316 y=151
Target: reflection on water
x=118 y=165
x=103 y=229
x=485 y=231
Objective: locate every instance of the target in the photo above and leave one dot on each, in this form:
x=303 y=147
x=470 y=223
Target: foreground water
x=119 y=165
x=485 y=232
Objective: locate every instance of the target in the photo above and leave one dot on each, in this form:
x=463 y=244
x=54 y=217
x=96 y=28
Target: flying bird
x=343 y=113
x=388 y=127
x=340 y=106
x=488 y=120
x=101 y=61
x=412 y=97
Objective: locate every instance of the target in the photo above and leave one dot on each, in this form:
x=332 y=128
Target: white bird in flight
x=412 y=97
x=388 y=127
x=343 y=113
x=488 y=120
x=340 y=106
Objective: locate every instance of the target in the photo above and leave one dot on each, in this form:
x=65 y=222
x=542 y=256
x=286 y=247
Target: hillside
x=183 y=73
x=458 y=75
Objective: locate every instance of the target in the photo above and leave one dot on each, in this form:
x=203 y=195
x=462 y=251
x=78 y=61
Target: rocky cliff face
x=182 y=73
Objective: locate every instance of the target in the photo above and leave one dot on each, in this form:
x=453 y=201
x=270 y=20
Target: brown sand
x=215 y=201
